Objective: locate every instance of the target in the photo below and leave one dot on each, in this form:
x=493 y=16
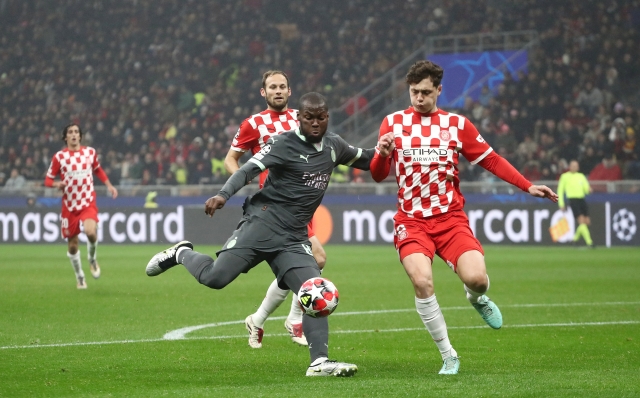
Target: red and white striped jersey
x=426 y=159
x=76 y=171
x=256 y=130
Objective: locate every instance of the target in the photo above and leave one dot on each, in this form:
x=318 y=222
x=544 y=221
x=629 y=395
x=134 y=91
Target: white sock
x=76 y=263
x=180 y=250
x=275 y=296
x=433 y=320
x=474 y=296
x=91 y=250
x=318 y=361
x=295 y=313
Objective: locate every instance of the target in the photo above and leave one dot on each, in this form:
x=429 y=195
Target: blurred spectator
x=607 y=170
x=15 y=181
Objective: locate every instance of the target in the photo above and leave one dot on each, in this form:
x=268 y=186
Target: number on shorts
x=307 y=248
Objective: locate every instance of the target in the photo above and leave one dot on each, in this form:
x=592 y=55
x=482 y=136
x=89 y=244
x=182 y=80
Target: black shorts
x=579 y=207
x=255 y=242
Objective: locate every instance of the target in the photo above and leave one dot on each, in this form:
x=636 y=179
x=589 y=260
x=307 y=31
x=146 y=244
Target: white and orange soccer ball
x=318 y=297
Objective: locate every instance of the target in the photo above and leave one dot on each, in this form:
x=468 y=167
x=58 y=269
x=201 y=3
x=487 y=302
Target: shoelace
x=167 y=254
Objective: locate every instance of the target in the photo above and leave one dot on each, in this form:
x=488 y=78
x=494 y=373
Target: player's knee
x=92 y=236
x=478 y=282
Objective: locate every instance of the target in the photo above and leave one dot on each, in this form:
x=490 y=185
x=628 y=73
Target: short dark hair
x=312 y=99
x=270 y=73
x=66 y=128
x=425 y=69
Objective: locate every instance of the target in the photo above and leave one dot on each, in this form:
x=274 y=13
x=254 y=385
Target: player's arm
x=232 y=160
x=261 y=161
x=99 y=172
x=245 y=139
x=54 y=170
x=381 y=162
x=477 y=151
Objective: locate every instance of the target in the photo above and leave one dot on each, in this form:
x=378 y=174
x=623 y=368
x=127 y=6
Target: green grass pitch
x=571 y=328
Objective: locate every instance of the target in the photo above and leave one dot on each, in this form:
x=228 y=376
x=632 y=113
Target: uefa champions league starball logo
x=624 y=224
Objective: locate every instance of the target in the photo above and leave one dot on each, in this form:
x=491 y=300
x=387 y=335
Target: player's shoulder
x=399 y=114
x=455 y=119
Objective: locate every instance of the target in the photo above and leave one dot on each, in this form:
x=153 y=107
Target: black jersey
x=299 y=174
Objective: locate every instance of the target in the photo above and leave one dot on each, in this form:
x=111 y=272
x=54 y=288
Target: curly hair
x=425 y=69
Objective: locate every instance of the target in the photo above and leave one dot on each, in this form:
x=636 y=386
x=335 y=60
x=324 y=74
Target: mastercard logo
x=323 y=224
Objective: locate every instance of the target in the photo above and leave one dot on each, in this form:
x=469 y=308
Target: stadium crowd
x=160 y=87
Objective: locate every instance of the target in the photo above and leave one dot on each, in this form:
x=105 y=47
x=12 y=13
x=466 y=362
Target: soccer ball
x=624 y=224
x=318 y=297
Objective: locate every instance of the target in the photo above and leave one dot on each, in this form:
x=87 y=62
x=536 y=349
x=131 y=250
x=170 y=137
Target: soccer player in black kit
x=274 y=225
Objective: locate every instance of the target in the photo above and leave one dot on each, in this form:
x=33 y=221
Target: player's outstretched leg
x=487 y=309
x=293 y=323
x=166 y=259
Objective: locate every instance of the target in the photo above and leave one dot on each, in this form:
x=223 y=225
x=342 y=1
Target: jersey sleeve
x=273 y=154
x=246 y=138
x=474 y=147
x=381 y=166
x=54 y=170
x=351 y=156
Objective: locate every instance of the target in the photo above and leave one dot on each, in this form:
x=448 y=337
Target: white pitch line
x=179 y=334
x=395 y=330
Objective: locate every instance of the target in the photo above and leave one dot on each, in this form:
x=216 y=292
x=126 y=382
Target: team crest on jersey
x=445 y=135
x=401 y=232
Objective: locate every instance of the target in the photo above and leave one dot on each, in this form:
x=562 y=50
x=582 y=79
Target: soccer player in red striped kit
x=76 y=165
x=430 y=219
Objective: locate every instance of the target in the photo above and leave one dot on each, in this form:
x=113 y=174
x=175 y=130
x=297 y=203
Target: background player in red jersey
x=75 y=165
x=252 y=135
x=430 y=218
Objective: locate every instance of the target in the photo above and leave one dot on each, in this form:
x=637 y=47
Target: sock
x=274 y=297
x=584 y=231
x=474 y=296
x=578 y=233
x=76 y=263
x=91 y=250
x=295 y=313
x=317 y=332
x=433 y=320
x=180 y=250
x=318 y=361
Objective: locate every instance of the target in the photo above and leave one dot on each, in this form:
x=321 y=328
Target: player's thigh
x=289 y=259
x=90 y=227
x=418 y=268
x=295 y=277
x=471 y=268
x=455 y=238
x=69 y=223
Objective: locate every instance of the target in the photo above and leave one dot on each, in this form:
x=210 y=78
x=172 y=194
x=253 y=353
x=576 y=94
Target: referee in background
x=575 y=185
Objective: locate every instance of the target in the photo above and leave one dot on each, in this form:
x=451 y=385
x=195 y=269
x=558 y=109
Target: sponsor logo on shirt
x=316 y=180
x=425 y=155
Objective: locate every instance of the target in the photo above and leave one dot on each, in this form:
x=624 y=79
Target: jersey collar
x=319 y=146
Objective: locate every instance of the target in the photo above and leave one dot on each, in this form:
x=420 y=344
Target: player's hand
x=213 y=204
x=543 y=191
x=113 y=191
x=59 y=185
x=386 y=144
